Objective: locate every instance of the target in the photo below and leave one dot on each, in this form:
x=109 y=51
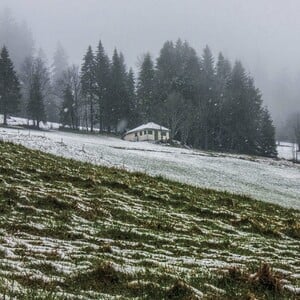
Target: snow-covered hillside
x=288 y=151
x=15 y=121
x=276 y=181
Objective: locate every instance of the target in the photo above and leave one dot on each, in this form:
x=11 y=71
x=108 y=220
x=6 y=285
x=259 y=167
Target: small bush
x=266 y=278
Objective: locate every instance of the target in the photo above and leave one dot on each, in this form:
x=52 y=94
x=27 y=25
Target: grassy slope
x=69 y=229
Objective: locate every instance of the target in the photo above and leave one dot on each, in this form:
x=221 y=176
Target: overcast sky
x=264 y=34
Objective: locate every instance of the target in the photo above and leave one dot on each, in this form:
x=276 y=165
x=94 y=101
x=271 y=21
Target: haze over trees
x=207 y=102
x=17 y=38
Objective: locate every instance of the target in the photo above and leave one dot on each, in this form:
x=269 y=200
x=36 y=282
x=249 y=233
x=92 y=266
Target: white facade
x=148 y=132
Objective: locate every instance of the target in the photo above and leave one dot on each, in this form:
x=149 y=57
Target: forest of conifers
x=206 y=102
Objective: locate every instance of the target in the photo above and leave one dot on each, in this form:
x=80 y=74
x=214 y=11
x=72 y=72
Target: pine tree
x=9 y=86
x=223 y=74
x=234 y=110
x=103 y=76
x=119 y=104
x=89 y=87
x=208 y=103
x=146 y=89
x=36 y=107
x=242 y=112
x=266 y=142
x=133 y=117
x=166 y=79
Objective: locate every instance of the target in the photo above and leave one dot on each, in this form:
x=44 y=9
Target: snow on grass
x=288 y=151
x=275 y=181
x=140 y=237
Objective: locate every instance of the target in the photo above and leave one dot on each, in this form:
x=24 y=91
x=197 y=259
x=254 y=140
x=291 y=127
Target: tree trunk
x=92 y=115
x=5 y=118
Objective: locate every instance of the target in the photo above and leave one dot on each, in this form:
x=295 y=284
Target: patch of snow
x=270 y=180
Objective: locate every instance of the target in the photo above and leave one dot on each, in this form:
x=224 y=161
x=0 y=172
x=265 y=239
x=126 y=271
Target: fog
x=263 y=34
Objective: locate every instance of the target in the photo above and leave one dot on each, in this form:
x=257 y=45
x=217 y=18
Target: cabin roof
x=150 y=125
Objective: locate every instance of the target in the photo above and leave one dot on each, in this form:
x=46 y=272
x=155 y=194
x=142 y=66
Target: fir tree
x=132 y=99
x=208 y=103
x=89 y=87
x=119 y=104
x=103 y=77
x=166 y=74
x=146 y=89
x=223 y=74
x=234 y=110
x=266 y=142
x=9 y=86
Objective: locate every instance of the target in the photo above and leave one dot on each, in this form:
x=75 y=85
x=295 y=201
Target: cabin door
x=156 y=135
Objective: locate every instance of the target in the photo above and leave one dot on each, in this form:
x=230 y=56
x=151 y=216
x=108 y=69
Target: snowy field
x=288 y=151
x=276 y=181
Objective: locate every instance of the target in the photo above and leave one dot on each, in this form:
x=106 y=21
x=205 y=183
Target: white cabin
x=148 y=132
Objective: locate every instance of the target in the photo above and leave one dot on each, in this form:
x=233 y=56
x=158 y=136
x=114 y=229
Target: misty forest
x=208 y=103
x=140 y=161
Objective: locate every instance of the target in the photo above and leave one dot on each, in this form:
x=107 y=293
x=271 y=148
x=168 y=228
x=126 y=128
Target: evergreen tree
x=89 y=87
x=36 y=66
x=223 y=75
x=242 y=113
x=166 y=79
x=234 y=110
x=146 y=89
x=36 y=107
x=103 y=77
x=132 y=99
x=266 y=142
x=119 y=104
x=208 y=103
x=9 y=86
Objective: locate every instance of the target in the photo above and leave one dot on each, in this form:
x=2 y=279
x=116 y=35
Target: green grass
x=72 y=230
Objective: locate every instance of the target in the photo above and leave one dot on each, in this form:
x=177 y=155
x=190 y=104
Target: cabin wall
x=147 y=135
x=130 y=137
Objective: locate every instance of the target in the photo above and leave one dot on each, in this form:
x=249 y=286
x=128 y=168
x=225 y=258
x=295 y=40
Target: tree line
x=207 y=103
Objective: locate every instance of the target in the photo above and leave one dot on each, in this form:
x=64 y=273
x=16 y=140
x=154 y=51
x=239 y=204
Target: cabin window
x=145 y=132
x=141 y=132
x=164 y=134
x=150 y=132
x=135 y=134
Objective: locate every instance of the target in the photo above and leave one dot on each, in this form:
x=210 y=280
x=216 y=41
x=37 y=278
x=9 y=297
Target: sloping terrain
x=275 y=181
x=72 y=230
